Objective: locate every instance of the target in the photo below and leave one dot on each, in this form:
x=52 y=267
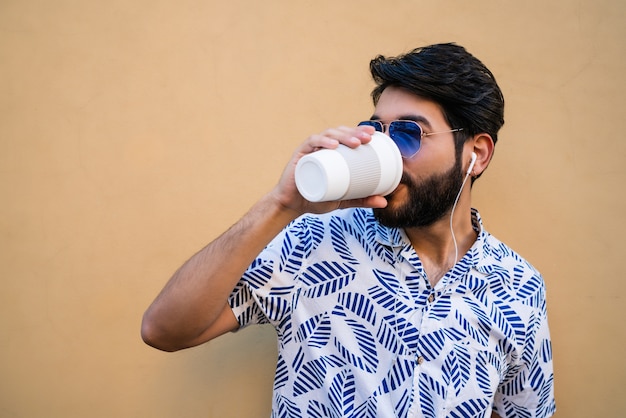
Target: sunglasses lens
x=377 y=125
x=407 y=135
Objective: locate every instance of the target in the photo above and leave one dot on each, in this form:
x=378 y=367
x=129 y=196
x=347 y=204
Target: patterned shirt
x=362 y=333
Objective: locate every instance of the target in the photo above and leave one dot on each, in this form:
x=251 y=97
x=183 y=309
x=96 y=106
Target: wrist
x=276 y=209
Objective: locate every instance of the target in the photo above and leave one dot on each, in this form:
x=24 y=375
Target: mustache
x=406 y=179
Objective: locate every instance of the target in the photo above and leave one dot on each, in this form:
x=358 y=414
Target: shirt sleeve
x=265 y=292
x=528 y=387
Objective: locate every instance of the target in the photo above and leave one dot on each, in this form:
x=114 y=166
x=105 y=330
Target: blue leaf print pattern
x=315 y=331
x=341 y=394
x=366 y=410
x=317 y=409
x=285 y=408
x=259 y=273
x=400 y=372
x=441 y=308
x=356 y=345
x=310 y=377
x=457 y=368
x=488 y=364
x=390 y=294
x=395 y=332
x=432 y=343
x=359 y=305
x=363 y=235
x=281 y=375
x=508 y=321
x=431 y=393
x=473 y=408
x=326 y=277
x=340 y=244
x=306 y=239
x=513 y=410
x=351 y=308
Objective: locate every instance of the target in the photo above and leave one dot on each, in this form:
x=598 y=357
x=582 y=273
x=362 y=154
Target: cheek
x=436 y=155
x=416 y=170
x=430 y=162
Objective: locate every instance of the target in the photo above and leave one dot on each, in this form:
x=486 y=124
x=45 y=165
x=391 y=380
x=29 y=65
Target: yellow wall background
x=134 y=132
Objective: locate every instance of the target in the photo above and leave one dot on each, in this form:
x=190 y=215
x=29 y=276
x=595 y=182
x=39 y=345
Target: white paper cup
x=346 y=173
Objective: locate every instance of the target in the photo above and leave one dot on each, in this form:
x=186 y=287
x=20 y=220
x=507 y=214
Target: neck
x=435 y=245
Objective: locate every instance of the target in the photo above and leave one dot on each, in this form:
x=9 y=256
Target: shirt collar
x=475 y=257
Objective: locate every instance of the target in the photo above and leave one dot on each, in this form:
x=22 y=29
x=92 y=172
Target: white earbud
x=469 y=170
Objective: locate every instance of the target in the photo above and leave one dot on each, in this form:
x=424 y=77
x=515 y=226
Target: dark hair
x=448 y=75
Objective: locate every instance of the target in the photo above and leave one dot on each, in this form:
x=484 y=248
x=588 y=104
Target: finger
x=331 y=138
x=319 y=141
x=350 y=136
x=366 y=130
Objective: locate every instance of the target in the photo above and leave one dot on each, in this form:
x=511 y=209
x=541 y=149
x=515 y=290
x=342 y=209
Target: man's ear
x=482 y=145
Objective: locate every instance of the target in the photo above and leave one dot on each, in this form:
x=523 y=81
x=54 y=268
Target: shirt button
x=420 y=360
x=431 y=298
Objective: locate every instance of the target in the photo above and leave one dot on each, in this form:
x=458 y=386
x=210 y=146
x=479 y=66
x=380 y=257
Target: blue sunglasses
x=407 y=134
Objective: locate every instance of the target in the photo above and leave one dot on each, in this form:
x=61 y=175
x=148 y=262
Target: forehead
x=396 y=103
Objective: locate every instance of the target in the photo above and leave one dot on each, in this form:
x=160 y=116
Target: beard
x=426 y=203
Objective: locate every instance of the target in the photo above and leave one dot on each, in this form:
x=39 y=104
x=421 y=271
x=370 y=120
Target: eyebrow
x=415 y=118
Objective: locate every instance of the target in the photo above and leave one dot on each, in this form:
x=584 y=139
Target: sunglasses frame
x=386 y=127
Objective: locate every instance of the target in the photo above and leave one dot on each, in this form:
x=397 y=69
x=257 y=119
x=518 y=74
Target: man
x=394 y=306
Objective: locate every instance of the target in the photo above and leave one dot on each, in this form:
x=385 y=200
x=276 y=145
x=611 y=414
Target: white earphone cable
x=456 y=247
